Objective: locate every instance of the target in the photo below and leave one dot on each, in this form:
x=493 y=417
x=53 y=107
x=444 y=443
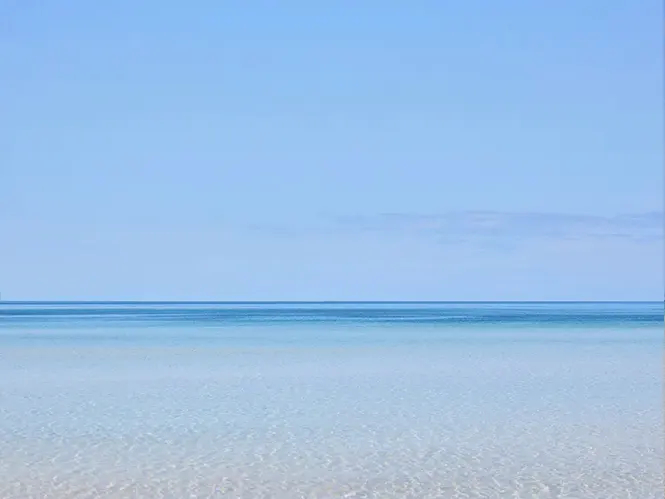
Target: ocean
x=331 y=400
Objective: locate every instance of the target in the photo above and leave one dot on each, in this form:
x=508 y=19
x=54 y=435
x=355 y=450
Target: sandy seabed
x=514 y=420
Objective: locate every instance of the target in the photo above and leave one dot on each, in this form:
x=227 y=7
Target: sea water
x=331 y=400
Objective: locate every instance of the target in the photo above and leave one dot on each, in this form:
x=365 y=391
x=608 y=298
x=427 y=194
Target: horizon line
x=305 y=302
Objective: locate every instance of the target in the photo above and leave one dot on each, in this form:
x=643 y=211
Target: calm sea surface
x=331 y=400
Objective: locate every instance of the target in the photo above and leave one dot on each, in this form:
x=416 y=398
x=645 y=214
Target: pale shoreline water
x=176 y=400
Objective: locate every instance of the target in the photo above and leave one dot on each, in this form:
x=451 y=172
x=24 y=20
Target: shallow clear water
x=331 y=400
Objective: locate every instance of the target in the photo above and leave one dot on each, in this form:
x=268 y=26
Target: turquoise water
x=327 y=400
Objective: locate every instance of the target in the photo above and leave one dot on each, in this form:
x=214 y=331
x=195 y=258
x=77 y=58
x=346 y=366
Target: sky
x=298 y=150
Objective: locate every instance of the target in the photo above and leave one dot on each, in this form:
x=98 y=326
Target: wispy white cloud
x=492 y=225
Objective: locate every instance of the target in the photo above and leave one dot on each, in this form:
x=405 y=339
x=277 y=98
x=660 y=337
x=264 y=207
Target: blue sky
x=331 y=150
